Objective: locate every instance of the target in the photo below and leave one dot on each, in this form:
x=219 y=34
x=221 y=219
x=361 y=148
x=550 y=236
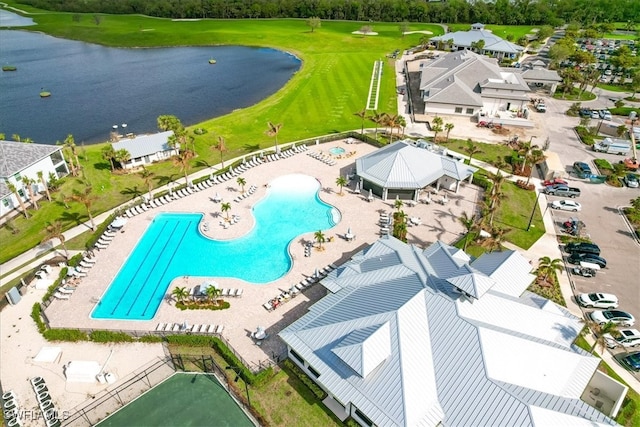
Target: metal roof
x=407 y=350
x=17 y=156
x=145 y=145
x=491 y=41
x=402 y=165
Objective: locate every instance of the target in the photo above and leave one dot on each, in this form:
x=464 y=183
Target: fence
x=108 y=401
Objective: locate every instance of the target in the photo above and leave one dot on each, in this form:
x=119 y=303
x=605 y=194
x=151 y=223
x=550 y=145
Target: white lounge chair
x=58 y=295
x=219 y=329
x=160 y=327
x=65 y=291
x=239 y=292
x=168 y=327
x=267 y=306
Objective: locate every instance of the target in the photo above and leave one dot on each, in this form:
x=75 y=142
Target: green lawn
x=321 y=98
x=574 y=95
x=614 y=88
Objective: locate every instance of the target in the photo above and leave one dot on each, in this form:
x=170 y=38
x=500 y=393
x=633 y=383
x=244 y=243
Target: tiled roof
x=17 y=156
x=408 y=350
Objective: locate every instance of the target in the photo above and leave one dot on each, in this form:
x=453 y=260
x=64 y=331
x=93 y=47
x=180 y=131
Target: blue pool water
x=337 y=151
x=172 y=247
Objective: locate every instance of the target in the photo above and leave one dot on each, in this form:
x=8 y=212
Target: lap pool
x=173 y=246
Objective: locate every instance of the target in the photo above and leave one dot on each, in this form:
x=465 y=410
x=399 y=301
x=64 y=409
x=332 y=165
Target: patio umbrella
x=231 y=170
x=370 y=194
x=316 y=273
x=185 y=325
x=217 y=197
x=357 y=190
x=349 y=231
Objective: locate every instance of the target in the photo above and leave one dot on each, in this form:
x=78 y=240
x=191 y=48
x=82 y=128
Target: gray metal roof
x=407 y=350
x=17 y=156
x=145 y=145
x=541 y=75
x=491 y=41
x=402 y=165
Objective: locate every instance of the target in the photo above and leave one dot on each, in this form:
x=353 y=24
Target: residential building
x=492 y=45
x=465 y=83
x=146 y=149
x=432 y=337
x=403 y=169
x=20 y=159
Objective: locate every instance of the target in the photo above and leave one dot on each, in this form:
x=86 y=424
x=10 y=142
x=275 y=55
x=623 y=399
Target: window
x=458 y=110
x=17 y=177
x=469 y=111
x=296 y=356
x=21 y=193
x=363 y=418
x=5 y=203
x=56 y=157
x=314 y=372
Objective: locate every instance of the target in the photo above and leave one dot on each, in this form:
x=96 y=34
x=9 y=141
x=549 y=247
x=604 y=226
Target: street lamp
x=235 y=380
x=533 y=211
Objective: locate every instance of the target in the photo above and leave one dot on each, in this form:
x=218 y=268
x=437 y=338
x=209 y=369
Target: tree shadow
x=251 y=147
x=72 y=217
x=165 y=179
x=202 y=164
x=102 y=166
x=132 y=191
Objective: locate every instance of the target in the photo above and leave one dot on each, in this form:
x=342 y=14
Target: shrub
x=71 y=335
x=190 y=340
x=624 y=111
x=603 y=165
x=110 y=336
x=36 y=311
x=192 y=305
x=151 y=338
x=585 y=135
x=304 y=378
x=481 y=181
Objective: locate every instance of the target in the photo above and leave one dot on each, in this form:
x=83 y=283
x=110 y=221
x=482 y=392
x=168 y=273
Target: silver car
x=566 y=205
x=625 y=338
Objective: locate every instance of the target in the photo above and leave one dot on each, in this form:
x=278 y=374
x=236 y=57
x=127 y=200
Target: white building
x=493 y=45
x=413 y=337
x=146 y=149
x=19 y=159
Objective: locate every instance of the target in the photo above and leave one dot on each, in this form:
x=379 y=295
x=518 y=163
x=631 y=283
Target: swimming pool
x=337 y=151
x=173 y=246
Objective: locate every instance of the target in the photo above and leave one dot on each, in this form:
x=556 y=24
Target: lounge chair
x=195 y=328
x=64 y=290
x=238 y=293
x=160 y=327
x=225 y=292
x=58 y=295
x=176 y=327
x=144 y=207
x=268 y=306
x=219 y=329
x=168 y=327
x=89 y=260
x=85 y=264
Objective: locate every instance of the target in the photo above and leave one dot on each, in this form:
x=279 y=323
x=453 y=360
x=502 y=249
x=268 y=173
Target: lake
x=94 y=88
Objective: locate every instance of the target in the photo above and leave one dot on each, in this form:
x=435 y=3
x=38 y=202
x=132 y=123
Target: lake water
x=94 y=87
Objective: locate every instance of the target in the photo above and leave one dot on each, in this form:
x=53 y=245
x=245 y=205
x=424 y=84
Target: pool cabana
x=402 y=170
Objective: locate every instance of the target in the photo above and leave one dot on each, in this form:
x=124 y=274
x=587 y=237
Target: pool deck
x=439 y=222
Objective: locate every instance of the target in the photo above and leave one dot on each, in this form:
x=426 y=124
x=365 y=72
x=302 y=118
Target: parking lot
x=600 y=213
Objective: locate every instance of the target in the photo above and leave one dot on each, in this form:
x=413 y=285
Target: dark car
x=632 y=361
x=582 y=169
x=577 y=258
x=582 y=248
x=585 y=112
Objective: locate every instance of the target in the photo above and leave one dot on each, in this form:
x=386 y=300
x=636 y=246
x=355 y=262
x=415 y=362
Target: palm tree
x=536 y=157
x=109 y=154
x=547 y=267
x=471 y=149
x=54 y=231
x=86 y=198
x=147 y=176
x=599 y=332
x=122 y=156
x=221 y=147
x=14 y=190
x=226 y=207
x=182 y=160
x=180 y=293
x=469 y=224
x=341 y=181
x=377 y=118
x=273 y=130
x=402 y=122
x=319 y=236
x=392 y=121
x=398 y=204
x=212 y=293
x=436 y=127
x=241 y=182
x=70 y=142
x=448 y=128
x=494 y=241
x=44 y=184
x=525 y=148
x=362 y=114
x=28 y=184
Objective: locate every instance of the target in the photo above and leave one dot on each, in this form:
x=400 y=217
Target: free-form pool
x=337 y=151
x=172 y=247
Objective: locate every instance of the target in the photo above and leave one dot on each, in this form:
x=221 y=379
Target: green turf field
x=182 y=400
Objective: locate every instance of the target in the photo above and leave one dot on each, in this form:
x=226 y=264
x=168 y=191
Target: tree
x=69 y=149
x=471 y=148
x=366 y=29
x=547 y=267
x=378 y=119
x=122 y=156
x=314 y=22
x=535 y=158
x=15 y=192
x=494 y=241
x=28 y=184
x=44 y=184
x=272 y=131
x=319 y=237
x=398 y=204
x=404 y=28
x=362 y=114
x=180 y=293
x=393 y=122
x=86 y=198
x=221 y=147
x=54 y=231
x=341 y=181
x=182 y=160
x=226 y=207
x=469 y=224
x=525 y=148
x=109 y=154
x=560 y=52
x=212 y=293
x=147 y=176
x=599 y=332
x=241 y=182
x=436 y=127
x=448 y=128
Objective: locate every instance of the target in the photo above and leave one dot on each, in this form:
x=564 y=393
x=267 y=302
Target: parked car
x=577 y=258
x=566 y=205
x=605 y=114
x=582 y=248
x=631 y=180
x=582 y=169
x=632 y=361
x=598 y=300
x=585 y=112
x=626 y=338
x=617 y=317
x=555 y=181
x=595 y=114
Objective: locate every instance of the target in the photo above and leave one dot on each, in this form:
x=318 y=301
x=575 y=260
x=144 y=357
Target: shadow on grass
x=165 y=179
x=132 y=191
x=72 y=217
x=102 y=166
x=251 y=147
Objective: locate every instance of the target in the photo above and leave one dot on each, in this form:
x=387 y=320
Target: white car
x=598 y=300
x=617 y=317
x=626 y=338
x=566 y=205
